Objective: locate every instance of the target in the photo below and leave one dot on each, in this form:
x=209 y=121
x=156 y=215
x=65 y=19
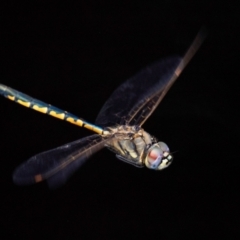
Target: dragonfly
x=118 y=126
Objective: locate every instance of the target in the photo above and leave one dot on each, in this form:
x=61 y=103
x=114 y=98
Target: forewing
x=145 y=107
x=58 y=164
x=136 y=99
x=135 y=90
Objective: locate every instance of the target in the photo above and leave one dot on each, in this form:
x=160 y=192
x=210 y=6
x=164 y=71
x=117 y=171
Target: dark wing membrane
x=135 y=100
x=144 y=108
x=135 y=91
x=58 y=164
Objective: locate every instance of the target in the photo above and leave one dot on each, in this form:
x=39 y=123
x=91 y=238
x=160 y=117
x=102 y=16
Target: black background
x=73 y=56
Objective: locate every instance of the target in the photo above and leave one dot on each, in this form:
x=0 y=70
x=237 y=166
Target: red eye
x=153 y=155
x=158 y=156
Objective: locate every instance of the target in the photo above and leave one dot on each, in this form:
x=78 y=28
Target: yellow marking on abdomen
x=88 y=126
x=78 y=122
x=40 y=109
x=57 y=115
x=92 y=128
x=97 y=130
x=11 y=97
x=26 y=104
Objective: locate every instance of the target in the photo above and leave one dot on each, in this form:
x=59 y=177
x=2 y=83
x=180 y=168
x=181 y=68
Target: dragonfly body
x=135 y=146
x=42 y=107
x=118 y=125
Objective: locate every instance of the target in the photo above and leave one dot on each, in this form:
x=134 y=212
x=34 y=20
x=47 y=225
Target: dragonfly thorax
x=135 y=146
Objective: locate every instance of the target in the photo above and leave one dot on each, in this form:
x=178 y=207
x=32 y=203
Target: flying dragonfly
x=118 y=125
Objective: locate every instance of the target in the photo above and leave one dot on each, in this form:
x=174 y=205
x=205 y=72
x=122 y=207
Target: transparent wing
x=145 y=107
x=58 y=164
x=131 y=94
x=135 y=100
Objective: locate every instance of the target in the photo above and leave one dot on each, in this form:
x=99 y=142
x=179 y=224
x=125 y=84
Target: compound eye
x=155 y=157
x=163 y=146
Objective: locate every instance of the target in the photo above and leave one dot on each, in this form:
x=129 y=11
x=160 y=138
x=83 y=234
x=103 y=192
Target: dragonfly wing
x=133 y=93
x=144 y=108
x=135 y=100
x=58 y=164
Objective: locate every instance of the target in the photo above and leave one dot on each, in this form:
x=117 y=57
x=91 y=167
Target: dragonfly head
x=158 y=156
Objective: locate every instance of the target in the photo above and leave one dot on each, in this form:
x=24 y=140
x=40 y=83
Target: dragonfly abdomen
x=45 y=108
